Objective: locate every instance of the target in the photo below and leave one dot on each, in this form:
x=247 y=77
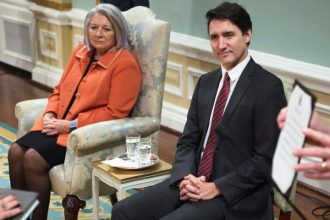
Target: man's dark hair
x=232 y=12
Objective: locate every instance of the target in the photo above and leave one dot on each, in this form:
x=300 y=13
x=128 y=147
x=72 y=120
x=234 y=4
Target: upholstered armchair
x=73 y=179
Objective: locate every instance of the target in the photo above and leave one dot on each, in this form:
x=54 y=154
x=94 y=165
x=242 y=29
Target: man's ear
x=248 y=36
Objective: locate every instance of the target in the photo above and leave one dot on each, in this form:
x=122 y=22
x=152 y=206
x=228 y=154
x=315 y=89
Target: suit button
x=77 y=95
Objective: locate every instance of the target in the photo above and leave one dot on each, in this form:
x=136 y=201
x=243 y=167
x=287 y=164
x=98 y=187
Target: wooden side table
x=123 y=180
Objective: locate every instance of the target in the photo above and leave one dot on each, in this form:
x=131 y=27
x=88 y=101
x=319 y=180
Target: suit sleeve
x=254 y=171
x=188 y=143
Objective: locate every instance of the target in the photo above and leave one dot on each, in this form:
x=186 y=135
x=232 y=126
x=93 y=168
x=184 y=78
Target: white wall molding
x=315 y=76
x=78 y=17
x=173 y=116
x=193 y=47
x=178 y=69
x=323 y=108
x=50 y=15
x=193 y=72
x=23 y=4
x=46 y=74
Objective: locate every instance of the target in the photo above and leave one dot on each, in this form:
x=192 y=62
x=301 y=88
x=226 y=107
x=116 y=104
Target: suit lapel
x=212 y=88
x=243 y=83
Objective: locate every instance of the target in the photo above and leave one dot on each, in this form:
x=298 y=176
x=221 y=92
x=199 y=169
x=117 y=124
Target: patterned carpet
x=7 y=136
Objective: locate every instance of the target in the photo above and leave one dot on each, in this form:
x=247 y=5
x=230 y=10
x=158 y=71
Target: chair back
x=149 y=43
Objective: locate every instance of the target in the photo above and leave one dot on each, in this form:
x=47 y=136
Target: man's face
x=228 y=43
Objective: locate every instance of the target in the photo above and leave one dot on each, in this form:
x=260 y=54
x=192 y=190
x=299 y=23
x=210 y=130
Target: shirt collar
x=236 y=72
x=105 y=61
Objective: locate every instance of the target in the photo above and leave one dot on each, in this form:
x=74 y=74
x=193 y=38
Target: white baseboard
x=173 y=116
x=46 y=74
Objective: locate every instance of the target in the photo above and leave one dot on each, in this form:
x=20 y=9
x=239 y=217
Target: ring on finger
x=324 y=166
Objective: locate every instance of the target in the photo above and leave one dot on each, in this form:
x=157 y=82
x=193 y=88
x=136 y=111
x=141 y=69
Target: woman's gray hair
x=117 y=20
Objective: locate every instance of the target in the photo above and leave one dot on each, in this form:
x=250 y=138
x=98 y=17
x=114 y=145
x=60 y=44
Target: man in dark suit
x=224 y=156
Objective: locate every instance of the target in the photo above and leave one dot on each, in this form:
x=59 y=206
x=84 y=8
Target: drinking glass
x=132 y=140
x=144 y=151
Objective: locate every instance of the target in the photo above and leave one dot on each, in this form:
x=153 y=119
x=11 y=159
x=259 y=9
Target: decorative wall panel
x=174 y=81
x=193 y=76
x=14 y=44
x=48 y=44
x=17 y=34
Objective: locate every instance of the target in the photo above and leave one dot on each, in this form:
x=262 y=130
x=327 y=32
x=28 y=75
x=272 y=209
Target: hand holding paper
x=300 y=109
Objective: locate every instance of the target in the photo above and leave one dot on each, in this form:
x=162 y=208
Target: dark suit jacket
x=247 y=137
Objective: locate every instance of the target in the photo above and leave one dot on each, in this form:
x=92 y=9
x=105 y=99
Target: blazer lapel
x=212 y=89
x=241 y=86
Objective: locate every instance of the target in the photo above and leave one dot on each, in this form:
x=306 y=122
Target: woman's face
x=101 y=34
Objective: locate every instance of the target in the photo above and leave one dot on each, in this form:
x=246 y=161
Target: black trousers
x=161 y=201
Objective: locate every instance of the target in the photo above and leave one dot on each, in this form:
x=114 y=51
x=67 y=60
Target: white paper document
x=300 y=109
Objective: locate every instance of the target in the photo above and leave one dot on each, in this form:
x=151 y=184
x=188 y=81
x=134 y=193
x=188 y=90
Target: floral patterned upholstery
x=150 y=43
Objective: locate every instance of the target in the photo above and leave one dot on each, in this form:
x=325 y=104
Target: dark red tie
x=206 y=163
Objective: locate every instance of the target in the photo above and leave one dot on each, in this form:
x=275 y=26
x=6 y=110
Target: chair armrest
x=90 y=143
x=94 y=137
x=27 y=112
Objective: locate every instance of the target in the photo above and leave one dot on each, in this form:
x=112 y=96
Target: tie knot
x=227 y=78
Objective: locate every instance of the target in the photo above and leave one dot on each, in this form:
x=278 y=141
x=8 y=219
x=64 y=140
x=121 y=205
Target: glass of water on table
x=144 y=152
x=132 y=140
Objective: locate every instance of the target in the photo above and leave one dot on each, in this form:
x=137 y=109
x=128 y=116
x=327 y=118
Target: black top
x=74 y=94
x=124 y=5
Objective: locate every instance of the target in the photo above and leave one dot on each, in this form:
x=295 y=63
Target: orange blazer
x=108 y=91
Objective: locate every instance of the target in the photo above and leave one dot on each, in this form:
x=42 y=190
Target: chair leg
x=284 y=215
x=72 y=204
x=113 y=198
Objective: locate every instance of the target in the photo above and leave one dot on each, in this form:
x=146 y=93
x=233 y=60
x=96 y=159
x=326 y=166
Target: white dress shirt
x=234 y=75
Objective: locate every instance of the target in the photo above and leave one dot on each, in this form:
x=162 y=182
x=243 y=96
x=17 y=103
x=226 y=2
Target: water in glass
x=144 y=151
x=132 y=141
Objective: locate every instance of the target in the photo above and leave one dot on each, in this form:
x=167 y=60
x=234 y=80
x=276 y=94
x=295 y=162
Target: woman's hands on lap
x=53 y=126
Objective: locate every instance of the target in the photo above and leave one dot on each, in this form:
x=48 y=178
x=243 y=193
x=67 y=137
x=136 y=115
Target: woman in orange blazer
x=101 y=82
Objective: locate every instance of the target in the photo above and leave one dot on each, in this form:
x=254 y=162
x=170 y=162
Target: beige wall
x=55 y=43
x=179 y=79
